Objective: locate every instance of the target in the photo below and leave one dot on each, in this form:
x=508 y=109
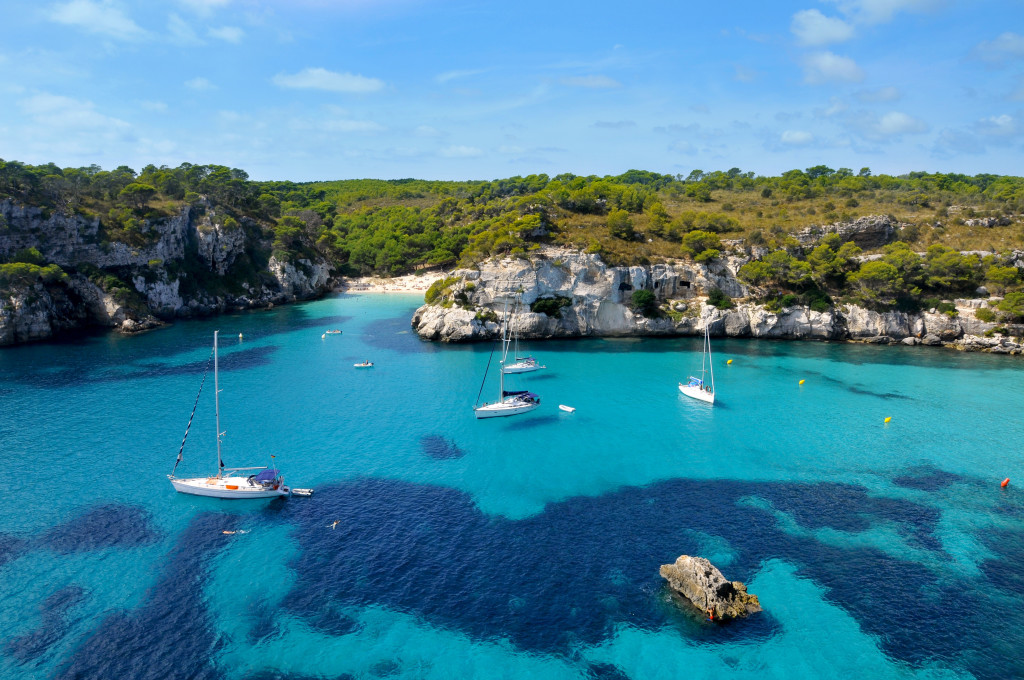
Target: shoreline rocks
x=700 y=582
x=594 y=301
x=176 y=270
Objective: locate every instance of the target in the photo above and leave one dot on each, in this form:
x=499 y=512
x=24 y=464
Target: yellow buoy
x=888 y=418
x=801 y=382
x=729 y=361
x=324 y=336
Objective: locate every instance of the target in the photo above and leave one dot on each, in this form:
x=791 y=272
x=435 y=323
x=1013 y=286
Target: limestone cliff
x=190 y=263
x=596 y=303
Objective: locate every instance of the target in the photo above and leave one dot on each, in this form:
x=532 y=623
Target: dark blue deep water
x=438 y=546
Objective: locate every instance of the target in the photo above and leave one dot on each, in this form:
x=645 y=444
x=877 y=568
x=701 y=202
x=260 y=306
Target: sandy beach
x=410 y=283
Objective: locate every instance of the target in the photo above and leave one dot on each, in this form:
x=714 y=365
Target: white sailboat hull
x=522 y=367
x=509 y=407
x=227 y=487
x=697 y=393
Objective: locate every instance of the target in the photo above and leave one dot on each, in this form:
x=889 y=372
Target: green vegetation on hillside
x=400 y=226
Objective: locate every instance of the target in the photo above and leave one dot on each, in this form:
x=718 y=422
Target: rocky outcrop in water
x=195 y=262
x=700 y=582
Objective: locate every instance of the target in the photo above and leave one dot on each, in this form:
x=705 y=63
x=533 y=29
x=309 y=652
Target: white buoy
x=239 y=336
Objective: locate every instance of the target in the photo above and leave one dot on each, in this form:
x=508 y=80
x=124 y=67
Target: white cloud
x=57 y=113
x=826 y=67
x=882 y=11
x=890 y=125
x=322 y=79
x=835 y=105
x=342 y=125
x=181 y=32
x=997 y=126
x=954 y=143
x=898 y=123
x=882 y=94
x=682 y=146
x=455 y=75
x=813 y=28
x=1018 y=93
x=796 y=138
x=1005 y=47
x=204 y=7
x=459 y=151
x=614 y=124
x=155 y=106
x=231 y=34
x=200 y=84
x=426 y=131
x=596 y=82
x=98 y=17
x=744 y=74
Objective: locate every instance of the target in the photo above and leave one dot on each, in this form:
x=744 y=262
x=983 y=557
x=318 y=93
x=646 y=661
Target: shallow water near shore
x=439 y=546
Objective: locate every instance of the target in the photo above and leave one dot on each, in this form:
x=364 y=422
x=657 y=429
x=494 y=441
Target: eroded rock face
x=217 y=245
x=598 y=301
x=171 y=250
x=700 y=582
x=872 y=231
x=68 y=240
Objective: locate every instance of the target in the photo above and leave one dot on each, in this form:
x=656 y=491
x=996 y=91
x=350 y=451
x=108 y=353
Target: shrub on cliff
x=620 y=225
x=438 y=289
x=702 y=246
x=985 y=314
x=719 y=300
x=25 y=273
x=1013 y=307
x=552 y=306
x=645 y=303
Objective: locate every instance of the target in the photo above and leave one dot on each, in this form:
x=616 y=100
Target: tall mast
x=704 y=355
x=711 y=365
x=504 y=351
x=216 y=402
x=515 y=353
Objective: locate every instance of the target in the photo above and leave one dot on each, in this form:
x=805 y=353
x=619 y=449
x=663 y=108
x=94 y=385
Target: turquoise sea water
x=439 y=546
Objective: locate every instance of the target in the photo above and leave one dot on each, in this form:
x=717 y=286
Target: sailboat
x=520 y=364
x=227 y=483
x=697 y=387
x=510 y=403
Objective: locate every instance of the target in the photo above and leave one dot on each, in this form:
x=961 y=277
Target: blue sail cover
x=267 y=475
x=522 y=395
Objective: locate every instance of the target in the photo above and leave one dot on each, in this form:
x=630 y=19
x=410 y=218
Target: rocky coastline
x=594 y=301
x=132 y=288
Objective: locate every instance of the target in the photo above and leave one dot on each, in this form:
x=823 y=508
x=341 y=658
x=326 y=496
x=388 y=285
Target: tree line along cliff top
x=392 y=227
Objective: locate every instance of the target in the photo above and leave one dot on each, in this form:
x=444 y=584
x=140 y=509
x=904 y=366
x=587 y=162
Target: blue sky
x=451 y=89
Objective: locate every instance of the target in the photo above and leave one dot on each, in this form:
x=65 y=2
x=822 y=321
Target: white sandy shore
x=399 y=284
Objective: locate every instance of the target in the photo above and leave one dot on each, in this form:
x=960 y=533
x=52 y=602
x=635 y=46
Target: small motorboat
x=333 y=331
x=567 y=409
x=365 y=364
